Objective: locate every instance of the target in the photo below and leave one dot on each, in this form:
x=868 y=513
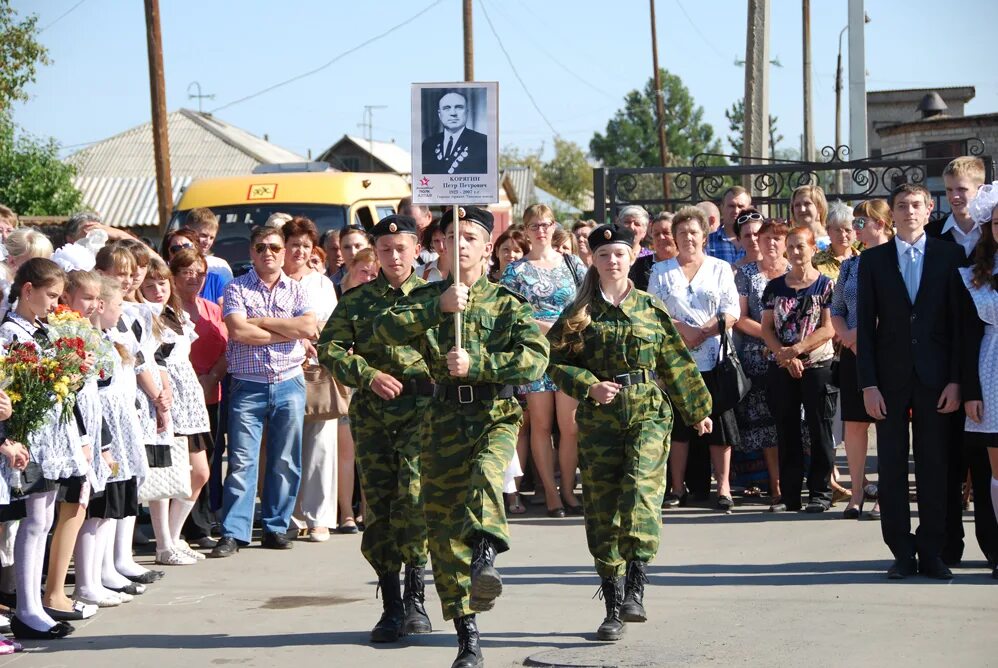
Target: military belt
x=468 y=394
x=417 y=387
x=629 y=378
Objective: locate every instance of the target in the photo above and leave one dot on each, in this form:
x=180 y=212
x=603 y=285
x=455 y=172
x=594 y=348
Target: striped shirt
x=272 y=362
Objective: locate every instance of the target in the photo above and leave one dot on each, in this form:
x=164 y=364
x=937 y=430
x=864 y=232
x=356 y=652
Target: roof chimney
x=932 y=105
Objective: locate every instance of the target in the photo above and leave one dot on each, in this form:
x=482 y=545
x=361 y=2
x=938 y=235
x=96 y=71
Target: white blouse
x=321 y=295
x=711 y=292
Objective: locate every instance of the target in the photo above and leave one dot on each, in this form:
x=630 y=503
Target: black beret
x=610 y=234
x=394 y=224
x=473 y=214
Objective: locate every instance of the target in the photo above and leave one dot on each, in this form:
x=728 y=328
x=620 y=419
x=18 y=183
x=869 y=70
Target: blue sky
x=578 y=58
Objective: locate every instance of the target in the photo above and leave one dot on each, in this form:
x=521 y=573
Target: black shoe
x=576 y=510
x=851 y=514
x=389 y=627
x=146 y=578
x=132 y=589
x=275 y=541
x=204 y=543
x=671 y=500
x=778 y=508
x=935 y=568
x=952 y=559
x=416 y=621
x=725 y=503
x=22 y=631
x=469 y=653
x=902 y=568
x=612 y=591
x=632 y=609
x=558 y=512
x=816 y=506
x=227 y=546
x=8 y=599
x=486 y=584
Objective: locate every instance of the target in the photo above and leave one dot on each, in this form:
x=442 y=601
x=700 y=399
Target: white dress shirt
x=911 y=261
x=966 y=239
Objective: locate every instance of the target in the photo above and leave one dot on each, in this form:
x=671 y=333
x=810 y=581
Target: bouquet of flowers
x=66 y=324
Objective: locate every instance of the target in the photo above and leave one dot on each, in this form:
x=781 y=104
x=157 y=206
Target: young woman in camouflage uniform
x=614 y=349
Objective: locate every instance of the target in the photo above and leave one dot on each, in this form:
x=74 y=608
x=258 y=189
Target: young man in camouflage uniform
x=473 y=420
x=611 y=350
x=394 y=390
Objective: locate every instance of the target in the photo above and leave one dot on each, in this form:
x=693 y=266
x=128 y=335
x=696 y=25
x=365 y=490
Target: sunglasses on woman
x=179 y=247
x=746 y=217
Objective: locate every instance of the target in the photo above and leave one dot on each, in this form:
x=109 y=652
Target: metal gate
x=772 y=182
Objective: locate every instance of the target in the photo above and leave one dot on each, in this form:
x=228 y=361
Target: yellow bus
x=331 y=200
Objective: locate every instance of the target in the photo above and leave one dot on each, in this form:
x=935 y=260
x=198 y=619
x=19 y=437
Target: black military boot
x=612 y=591
x=486 y=585
x=633 y=609
x=416 y=620
x=389 y=627
x=469 y=654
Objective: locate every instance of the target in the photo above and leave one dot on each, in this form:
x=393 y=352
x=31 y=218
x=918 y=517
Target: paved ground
x=747 y=589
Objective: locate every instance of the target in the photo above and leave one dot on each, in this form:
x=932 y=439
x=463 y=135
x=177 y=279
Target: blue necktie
x=910 y=272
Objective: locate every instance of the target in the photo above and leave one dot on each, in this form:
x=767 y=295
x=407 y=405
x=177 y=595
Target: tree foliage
x=736 y=124
x=33 y=181
x=567 y=175
x=631 y=137
x=20 y=54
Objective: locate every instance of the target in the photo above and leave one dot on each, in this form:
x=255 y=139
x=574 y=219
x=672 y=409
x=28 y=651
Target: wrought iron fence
x=772 y=182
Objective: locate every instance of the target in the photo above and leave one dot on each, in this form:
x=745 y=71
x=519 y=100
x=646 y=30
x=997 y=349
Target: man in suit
x=458 y=149
x=908 y=361
x=963 y=177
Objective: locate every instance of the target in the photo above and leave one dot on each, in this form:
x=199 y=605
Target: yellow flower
x=61 y=389
x=14 y=396
x=64 y=380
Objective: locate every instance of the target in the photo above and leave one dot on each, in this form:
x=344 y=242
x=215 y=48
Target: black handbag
x=28 y=481
x=730 y=384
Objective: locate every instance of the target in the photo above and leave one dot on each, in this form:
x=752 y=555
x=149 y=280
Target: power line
x=481 y=3
x=62 y=16
x=697 y=30
x=334 y=60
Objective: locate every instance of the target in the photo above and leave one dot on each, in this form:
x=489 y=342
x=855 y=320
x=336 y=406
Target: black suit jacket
x=468 y=156
x=899 y=342
x=935 y=230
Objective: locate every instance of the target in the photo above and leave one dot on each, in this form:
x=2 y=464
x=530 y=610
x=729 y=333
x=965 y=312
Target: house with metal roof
x=117 y=176
x=356 y=154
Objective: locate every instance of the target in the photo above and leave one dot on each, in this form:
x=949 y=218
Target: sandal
x=516 y=506
x=347 y=526
x=174 y=557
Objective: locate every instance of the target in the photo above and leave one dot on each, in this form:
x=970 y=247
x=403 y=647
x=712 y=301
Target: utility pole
x=808 y=124
x=659 y=105
x=368 y=126
x=157 y=87
x=857 y=81
x=469 y=44
x=756 y=142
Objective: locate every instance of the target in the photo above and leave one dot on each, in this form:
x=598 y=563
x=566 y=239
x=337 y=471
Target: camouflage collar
x=383 y=287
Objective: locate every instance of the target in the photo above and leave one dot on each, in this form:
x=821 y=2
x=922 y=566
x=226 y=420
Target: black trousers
x=814 y=390
x=930 y=443
x=198 y=523
x=962 y=458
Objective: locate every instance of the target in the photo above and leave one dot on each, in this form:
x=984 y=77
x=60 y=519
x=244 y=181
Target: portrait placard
x=455 y=143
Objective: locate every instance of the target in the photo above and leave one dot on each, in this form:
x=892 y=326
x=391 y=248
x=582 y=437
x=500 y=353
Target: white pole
x=857 y=81
x=456 y=272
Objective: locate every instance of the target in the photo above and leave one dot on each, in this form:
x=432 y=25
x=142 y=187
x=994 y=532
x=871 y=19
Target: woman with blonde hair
x=21 y=245
x=809 y=208
x=874 y=226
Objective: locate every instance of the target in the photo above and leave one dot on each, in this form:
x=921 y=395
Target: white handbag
x=169 y=482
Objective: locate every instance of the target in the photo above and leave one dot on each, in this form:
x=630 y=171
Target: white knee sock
x=180 y=509
x=91 y=549
x=29 y=558
x=103 y=558
x=123 y=561
x=159 y=511
x=110 y=576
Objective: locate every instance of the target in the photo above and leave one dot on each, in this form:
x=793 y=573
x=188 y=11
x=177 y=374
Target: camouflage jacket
x=351 y=326
x=505 y=345
x=637 y=334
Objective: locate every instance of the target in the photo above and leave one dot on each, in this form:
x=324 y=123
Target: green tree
x=568 y=175
x=631 y=138
x=20 y=54
x=736 y=123
x=33 y=181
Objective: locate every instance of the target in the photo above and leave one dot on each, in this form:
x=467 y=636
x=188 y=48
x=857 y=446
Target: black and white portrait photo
x=455 y=131
x=455 y=142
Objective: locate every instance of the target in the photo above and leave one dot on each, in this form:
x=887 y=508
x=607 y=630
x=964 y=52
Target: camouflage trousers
x=388 y=442
x=622 y=452
x=464 y=458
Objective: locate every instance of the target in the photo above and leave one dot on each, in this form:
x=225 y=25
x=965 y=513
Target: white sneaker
x=184 y=546
x=175 y=557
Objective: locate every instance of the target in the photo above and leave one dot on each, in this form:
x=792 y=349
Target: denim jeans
x=281 y=407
